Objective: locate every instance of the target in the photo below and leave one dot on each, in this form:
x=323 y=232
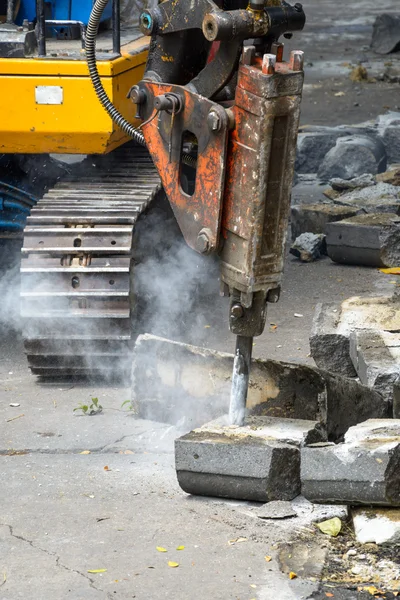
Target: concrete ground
x=86 y=493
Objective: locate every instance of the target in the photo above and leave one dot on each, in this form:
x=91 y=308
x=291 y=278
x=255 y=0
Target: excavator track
x=76 y=267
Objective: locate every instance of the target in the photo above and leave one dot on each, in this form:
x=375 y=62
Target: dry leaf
x=85 y=452
x=161 y=549
x=237 y=541
x=329 y=595
x=292 y=575
x=128 y=452
x=180 y=547
x=268 y=558
x=106 y=468
x=173 y=564
x=331 y=527
x=253 y=585
x=371 y=589
x=339 y=94
x=97 y=570
x=392 y=271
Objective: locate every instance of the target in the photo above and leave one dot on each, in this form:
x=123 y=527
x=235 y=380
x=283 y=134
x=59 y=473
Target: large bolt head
x=214 y=121
x=202 y=243
x=237 y=311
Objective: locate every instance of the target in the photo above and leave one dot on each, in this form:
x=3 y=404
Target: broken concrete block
x=365 y=469
x=259 y=462
x=329 y=347
x=382 y=197
x=179 y=383
x=314 y=217
x=376 y=525
x=386 y=34
x=389 y=131
x=371 y=240
x=342 y=185
x=309 y=246
x=391 y=176
x=353 y=156
x=276 y=509
x=376 y=358
x=334 y=322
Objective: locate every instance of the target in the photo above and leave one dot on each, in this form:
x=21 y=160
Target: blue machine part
x=76 y=10
x=15 y=207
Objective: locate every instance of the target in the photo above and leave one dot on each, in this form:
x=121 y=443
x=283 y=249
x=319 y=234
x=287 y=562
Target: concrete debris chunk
x=277 y=509
x=334 y=322
x=376 y=358
x=315 y=513
x=248 y=463
x=309 y=247
x=389 y=131
x=386 y=34
x=371 y=198
x=186 y=385
x=314 y=217
x=376 y=525
x=365 y=469
x=371 y=240
x=364 y=180
x=391 y=176
x=353 y=156
x=330 y=348
x=313 y=146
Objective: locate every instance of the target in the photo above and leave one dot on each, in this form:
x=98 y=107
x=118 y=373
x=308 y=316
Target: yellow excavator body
x=48 y=105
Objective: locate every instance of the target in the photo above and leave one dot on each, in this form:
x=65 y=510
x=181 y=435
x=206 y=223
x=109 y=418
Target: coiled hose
x=90 y=46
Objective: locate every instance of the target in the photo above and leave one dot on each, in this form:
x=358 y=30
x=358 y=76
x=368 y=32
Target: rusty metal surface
x=164 y=134
x=76 y=284
x=258 y=187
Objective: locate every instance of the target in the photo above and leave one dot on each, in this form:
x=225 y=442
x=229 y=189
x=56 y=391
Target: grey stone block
x=309 y=246
x=259 y=462
x=365 y=469
x=353 y=156
x=314 y=217
x=389 y=131
x=313 y=146
x=370 y=240
x=343 y=185
x=376 y=358
x=329 y=347
x=178 y=383
x=334 y=322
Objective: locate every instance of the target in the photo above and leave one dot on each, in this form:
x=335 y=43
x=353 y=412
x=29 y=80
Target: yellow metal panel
x=80 y=125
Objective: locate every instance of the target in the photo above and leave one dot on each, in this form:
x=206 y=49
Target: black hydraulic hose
x=90 y=45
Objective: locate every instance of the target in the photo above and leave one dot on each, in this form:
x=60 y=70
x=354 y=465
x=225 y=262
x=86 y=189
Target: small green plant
x=90 y=409
x=127 y=403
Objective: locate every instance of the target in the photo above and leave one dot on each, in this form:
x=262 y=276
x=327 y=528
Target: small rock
x=391 y=176
x=351 y=552
x=312 y=218
x=376 y=525
x=309 y=246
x=278 y=509
x=389 y=131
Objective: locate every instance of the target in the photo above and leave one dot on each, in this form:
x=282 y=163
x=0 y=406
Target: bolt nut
x=268 y=64
x=277 y=49
x=203 y=242
x=137 y=95
x=146 y=22
x=296 y=60
x=248 y=55
x=237 y=311
x=214 y=121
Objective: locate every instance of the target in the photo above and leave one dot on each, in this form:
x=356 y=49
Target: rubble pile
x=353 y=173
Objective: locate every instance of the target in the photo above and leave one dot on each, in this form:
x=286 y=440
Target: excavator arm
x=220 y=111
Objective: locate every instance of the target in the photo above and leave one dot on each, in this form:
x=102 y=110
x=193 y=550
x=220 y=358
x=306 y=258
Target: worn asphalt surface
x=86 y=493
